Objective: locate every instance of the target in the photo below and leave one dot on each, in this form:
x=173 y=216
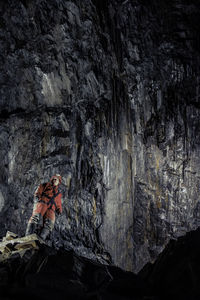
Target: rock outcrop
x=176 y=272
x=105 y=93
x=45 y=273
x=13 y=246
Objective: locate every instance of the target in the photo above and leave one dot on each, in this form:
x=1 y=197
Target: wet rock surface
x=107 y=95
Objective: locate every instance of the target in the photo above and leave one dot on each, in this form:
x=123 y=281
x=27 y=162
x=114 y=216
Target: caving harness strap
x=51 y=200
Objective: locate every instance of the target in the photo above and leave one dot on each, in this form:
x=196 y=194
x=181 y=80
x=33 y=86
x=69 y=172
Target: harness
x=51 y=199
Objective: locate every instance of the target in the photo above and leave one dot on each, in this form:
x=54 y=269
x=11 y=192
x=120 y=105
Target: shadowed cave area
x=105 y=93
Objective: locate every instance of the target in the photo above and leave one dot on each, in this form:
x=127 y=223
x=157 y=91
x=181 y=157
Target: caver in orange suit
x=48 y=200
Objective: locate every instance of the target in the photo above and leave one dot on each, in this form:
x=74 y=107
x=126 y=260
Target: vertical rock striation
x=106 y=94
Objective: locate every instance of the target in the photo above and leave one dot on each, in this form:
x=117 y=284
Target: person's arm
x=39 y=191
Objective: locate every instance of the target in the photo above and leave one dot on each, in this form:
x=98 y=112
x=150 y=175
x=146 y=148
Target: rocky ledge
x=45 y=273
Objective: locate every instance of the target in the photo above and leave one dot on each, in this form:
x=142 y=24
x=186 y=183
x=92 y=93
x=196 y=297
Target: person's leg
x=36 y=220
x=49 y=221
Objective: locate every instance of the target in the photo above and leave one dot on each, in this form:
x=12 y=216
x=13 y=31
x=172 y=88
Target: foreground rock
x=176 y=273
x=13 y=246
x=45 y=273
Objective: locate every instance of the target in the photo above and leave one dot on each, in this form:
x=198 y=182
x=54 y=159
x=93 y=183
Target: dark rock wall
x=106 y=93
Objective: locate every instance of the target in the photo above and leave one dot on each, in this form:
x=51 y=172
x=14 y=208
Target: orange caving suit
x=48 y=200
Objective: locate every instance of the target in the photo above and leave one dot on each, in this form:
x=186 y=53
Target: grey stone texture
x=105 y=93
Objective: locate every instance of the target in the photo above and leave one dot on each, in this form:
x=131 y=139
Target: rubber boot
x=31 y=228
x=44 y=233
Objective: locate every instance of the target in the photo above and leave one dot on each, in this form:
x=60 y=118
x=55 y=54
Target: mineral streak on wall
x=106 y=93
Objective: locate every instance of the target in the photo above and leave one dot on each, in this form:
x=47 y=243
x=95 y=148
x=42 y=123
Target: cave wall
x=106 y=93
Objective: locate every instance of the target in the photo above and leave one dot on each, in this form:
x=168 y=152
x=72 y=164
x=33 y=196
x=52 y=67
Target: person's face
x=55 y=181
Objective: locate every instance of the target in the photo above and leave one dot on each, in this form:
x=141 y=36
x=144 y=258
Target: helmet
x=57 y=176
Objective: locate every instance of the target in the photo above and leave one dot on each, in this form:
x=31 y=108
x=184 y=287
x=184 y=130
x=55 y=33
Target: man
x=47 y=202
